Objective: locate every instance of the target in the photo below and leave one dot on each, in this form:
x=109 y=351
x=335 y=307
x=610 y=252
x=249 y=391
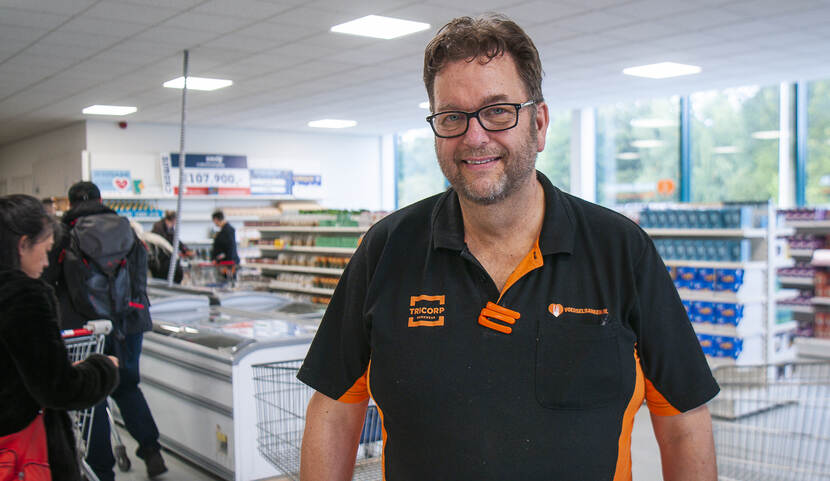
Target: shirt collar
x=557 y=234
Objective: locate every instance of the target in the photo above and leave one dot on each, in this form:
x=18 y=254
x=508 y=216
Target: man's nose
x=476 y=135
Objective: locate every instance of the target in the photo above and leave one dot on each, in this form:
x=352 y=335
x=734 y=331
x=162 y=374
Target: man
x=505 y=329
x=87 y=209
x=224 y=244
x=166 y=227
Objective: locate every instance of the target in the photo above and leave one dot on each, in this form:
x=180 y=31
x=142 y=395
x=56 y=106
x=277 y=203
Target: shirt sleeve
x=338 y=358
x=678 y=378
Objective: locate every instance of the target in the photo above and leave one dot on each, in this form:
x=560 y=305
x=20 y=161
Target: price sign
x=207 y=174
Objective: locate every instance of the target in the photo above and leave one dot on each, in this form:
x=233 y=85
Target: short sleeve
x=338 y=358
x=678 y=376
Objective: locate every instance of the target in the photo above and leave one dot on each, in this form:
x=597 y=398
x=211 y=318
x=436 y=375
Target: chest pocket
x=578 y=362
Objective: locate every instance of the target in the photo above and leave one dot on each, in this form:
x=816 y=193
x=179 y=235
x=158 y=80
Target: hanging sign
x=112 y=181
x=207 y=174
x=271 y=182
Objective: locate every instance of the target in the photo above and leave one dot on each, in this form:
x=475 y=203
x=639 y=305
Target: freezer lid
x=164 y=301
x=252 y=300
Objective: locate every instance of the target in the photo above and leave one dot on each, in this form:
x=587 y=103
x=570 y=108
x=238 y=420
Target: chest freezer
x=197 y=376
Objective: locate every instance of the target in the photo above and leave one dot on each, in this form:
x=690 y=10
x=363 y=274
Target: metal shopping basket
x=281 y=406
x=80 y=343
x=772 y=422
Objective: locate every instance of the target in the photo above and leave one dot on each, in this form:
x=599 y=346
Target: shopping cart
x=772 y=422
x=80 y=343
x=281 y=406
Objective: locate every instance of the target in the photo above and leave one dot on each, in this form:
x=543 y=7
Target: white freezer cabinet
x=197 y=377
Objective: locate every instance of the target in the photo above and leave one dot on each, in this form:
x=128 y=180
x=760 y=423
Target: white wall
x=44 y=165
x=351 y=166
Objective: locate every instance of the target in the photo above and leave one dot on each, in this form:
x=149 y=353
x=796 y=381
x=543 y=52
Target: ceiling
x=59 y=56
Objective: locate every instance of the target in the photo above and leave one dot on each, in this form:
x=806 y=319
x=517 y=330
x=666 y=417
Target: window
x=734 y=144
x=555 y=160
x=417 y=174
x=638 y=152
x=818 y=143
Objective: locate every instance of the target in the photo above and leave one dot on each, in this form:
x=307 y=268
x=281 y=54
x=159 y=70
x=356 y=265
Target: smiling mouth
x=480 y=161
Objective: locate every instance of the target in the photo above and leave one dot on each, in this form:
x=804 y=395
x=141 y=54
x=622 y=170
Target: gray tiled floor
x=644 y=454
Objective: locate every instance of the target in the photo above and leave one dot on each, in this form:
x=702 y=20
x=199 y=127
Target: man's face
x=487 y=167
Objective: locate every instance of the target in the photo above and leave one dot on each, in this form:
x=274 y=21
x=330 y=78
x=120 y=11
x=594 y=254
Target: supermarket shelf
x=800 y=309
x=300 y=269
x=802 y=253
x=730 y=233
x=718 y=264
x=308 y=249
x=821 y=301
x=193 y=218
x=795 y=281
x=312 y=229
x=812 y=347
x=720 y=296
x=737 y=331
x=809 y=224
x=288 y=286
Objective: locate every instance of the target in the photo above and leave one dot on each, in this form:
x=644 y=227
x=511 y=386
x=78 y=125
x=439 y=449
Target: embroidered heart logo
x=120 y=183
x=556 y=309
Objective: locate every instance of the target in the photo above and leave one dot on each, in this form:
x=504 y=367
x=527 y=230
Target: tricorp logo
x=426 y=311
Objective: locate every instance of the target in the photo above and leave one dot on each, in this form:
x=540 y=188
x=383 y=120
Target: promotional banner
x=307 y=186
x=207 y=174
x=113 y=181
x=271 y=182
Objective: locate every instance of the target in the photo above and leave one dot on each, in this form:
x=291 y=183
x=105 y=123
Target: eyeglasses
x=493 y=118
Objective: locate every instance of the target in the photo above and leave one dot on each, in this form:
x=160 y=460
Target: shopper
x=513 y=330
x=223 y=251
x=124 y=301
x=38 y=381
x=166 y=227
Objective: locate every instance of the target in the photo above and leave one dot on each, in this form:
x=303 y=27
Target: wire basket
x=280 y=410
x=772 y=422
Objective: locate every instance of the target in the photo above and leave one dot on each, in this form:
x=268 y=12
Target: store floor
x=644 y=456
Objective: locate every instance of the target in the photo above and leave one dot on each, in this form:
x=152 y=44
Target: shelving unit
x=809 y=315
x=758 y=330
x=286 y=260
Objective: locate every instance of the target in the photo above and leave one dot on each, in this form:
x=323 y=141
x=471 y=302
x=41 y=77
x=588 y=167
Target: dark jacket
x=224 y=245
x=53 y=275
x=36 y=372
x=161 y=229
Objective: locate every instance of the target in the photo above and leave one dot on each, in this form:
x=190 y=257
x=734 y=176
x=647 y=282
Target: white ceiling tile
x=436 y=16
x=580 y=43
x=357 y=8
x=280 y=32
x=13 y=34
x=242 y=43
x=171 y=4
x=27 y=18
x=475 y=7
x=651 y=9
x=131 y=12
x=126 y=54
x=100 y=26
x=743 y=30
x=179 y=37
x=48 y=63
x=315 y=20
x=769 y=8
x=253 y=9
x=65 y=7
x=701 y=19
x=91 y=41
x=535 y=12
x=643 y=31
x=218 y=24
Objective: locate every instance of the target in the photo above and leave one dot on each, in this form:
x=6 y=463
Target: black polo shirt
x=595 y=325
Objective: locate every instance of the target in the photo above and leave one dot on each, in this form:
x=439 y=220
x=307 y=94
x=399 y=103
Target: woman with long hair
x=37 y=381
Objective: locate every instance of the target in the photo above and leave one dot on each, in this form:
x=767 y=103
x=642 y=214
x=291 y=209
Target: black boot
x=155 y=463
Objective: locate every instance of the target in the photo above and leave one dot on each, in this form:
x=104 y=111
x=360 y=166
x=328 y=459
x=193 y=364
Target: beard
x=518 y=166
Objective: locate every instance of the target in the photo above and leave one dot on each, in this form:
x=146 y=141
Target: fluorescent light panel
x=109 y=110
x=662 y=70
x=628 y=156
x=766 y=134
x=198 y=83
x=376 y=26
x=332 y=124
x=647 y=143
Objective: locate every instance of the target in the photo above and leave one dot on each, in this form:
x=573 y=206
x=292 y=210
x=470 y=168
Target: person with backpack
x=39 y=382
x=100 y=272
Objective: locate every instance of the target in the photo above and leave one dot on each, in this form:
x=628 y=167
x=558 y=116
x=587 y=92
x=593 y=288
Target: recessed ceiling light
x=376 y=26
x=109 y=110
x=424 y=105
x=198 y=83
x=332 y=124
x=628 y=156
x=725 y=149
x=766 y=134
x=654 y=123
x=647 y=144
x=662 y=70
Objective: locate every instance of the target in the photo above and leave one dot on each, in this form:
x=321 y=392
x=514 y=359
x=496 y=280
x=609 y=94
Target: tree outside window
x=818 y=143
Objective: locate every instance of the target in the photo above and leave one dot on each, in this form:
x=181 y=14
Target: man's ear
x=541 y=125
